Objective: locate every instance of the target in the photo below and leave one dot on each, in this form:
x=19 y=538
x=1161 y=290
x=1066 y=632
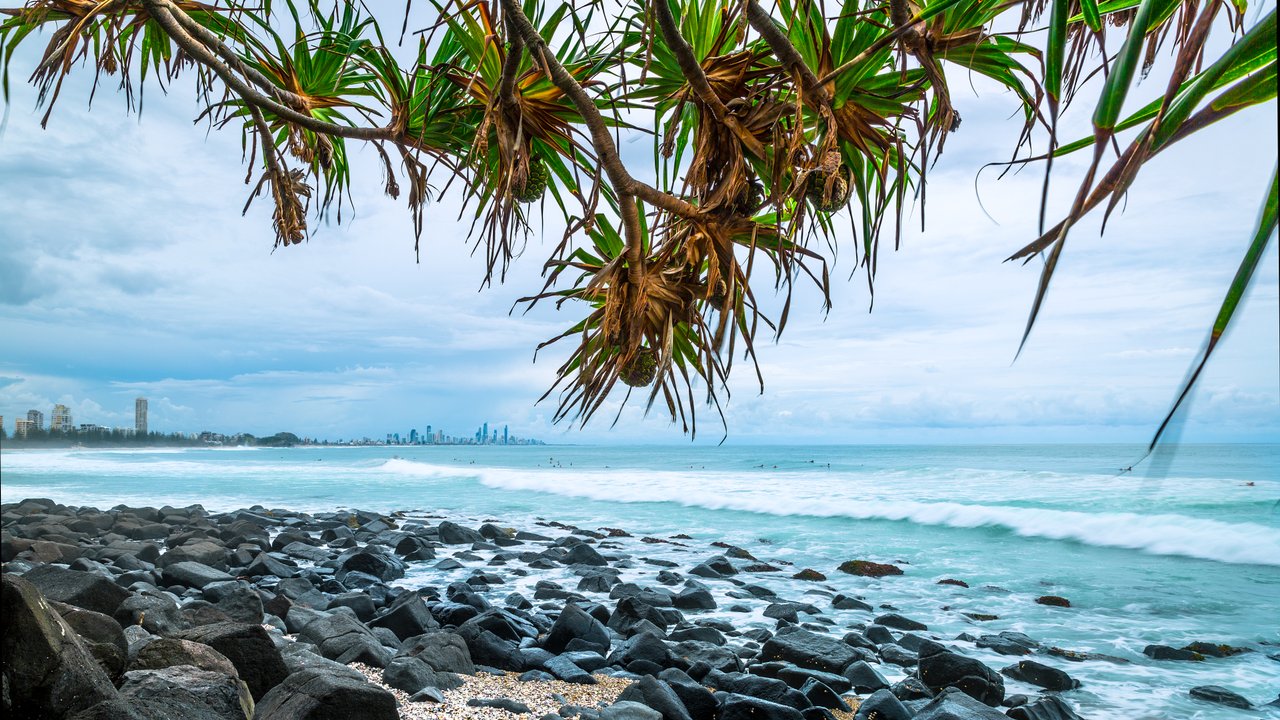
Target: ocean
x=1191 y=553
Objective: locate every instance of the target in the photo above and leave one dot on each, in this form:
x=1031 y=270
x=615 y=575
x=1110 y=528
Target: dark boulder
x=1220 y=696
x=770 y=689
x=1164 y=652
x=1049 y=707
x=715 y=567
x=1049 y=678
x=819 y=694
x=575 y=624
x=383 y=567
x=882 y=705
x=656 y=694
x=864 y=679
x=87 y=590
x=631 y=611
x=744 y=707
x=941 y=668
x=101 y=634
x=796 y=677
x=564 y=669
x=411 y=675
x=694 y=598
x=187 y=692
x=646 y=647
x=407 y=617
x=315 y=694
x=583 y=554
x=168 y=652
x=264 y=565
x=867 y=568
x=443 y=651
x=899 y=622
x=48 y=671
x=248 y=647
x=156 y=613
x=695 y=697
x=193 y=575
x=237 y=599
x=809 y=649
x=454 y=534
x=342 y=638
x=953 y=704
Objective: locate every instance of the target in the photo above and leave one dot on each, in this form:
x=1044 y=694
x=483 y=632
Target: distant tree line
x=108 y=437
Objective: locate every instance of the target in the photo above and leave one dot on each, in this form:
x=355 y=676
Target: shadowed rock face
x=47 y=668
x=313 y=694
x=940 y=668
x=249 y=648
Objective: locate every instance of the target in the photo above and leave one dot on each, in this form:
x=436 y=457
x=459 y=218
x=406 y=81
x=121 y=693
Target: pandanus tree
x=772 y=126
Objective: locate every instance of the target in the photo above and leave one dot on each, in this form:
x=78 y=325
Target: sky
x=127 y=269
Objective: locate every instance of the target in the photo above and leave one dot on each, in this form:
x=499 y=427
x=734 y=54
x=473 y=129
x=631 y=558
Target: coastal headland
x=148 y=613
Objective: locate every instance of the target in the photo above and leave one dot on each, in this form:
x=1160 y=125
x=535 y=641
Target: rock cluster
x=145 y=613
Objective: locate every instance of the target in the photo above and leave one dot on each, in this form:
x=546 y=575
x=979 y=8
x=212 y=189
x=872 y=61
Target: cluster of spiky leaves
x=768 y=124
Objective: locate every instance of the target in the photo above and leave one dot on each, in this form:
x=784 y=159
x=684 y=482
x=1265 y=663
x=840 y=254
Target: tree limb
x=787 y=54
x=693 y=72
x=627 y=187
x=165 y=14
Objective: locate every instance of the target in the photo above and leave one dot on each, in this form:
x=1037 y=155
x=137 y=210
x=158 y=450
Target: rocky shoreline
x=146 y=613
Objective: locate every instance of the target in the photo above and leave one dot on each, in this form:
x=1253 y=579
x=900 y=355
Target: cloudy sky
x=126 y=269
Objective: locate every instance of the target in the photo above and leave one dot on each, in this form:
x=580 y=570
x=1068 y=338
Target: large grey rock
x=158 y=614
x=882 y=705
x=203 y=552
x=48 y=671
x=193 y=574
x=443 y=651
x=954 y=704
x=628 y=710
x=1049 y=678
x=941 y=668
x=314 y=694
x=189 y=692
x=342 y=638
x=411 y=675
x=1048 y=707
x=87 y=590
x=169 y=652
x=697 y=699
x=656 y=694
x=575 y=624
x=809 y=649
x=101 y=634
x=764 y=688
x=1220 y=696
x=237 y=599
x=452 y=533
x=407 y=617
x=249 y=648
x=744 y=707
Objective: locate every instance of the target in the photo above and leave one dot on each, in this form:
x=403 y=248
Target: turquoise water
x=1193 y=554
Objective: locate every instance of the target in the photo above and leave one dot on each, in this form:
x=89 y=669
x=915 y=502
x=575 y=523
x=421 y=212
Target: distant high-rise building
x=413 y=436
x=484 y=435
x=61 y=421
x=140 y=416
x=504 y=434
x=21 y=427
x=36 y=418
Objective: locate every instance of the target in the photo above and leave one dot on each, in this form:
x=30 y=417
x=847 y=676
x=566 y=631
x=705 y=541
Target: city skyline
x=62 y=422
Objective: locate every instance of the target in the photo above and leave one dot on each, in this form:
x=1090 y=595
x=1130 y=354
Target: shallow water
x=1191 y=555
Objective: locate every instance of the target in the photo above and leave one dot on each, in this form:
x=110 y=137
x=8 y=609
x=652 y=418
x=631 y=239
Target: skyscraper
x=36 y=418
x=504 y=434
x=484 y=435
x=61 y=421
x=140 y=416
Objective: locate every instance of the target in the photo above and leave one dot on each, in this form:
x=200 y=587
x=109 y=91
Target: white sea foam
x=1161 y=534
